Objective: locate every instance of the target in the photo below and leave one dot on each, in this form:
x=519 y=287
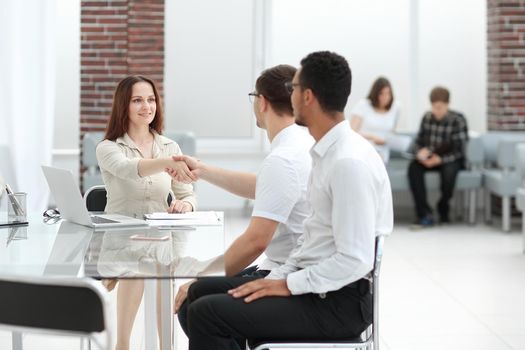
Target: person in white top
x=278 y=190
x=322 y=291
x=376 y=116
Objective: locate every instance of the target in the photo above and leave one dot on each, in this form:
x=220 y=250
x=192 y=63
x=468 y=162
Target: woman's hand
x=178 y=206
x=377 y=140
x=182 y=172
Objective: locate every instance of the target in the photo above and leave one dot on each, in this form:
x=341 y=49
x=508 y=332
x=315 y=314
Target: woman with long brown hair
x=377 y=115
x=133 y=158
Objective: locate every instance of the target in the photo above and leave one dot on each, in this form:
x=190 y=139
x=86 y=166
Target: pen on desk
x=14 y=202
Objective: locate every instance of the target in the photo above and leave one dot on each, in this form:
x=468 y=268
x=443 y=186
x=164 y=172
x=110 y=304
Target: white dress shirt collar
x=282 y=135
x=323 y=145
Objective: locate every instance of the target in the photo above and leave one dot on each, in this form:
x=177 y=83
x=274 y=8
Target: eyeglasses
x=289 y=85
x=253 y=95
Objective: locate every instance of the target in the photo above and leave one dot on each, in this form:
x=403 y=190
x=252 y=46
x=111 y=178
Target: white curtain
x=27 y=92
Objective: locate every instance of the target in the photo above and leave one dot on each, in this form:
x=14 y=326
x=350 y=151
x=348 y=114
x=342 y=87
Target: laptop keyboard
x=99 y=220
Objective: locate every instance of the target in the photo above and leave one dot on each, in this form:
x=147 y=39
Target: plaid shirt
x=446 y=137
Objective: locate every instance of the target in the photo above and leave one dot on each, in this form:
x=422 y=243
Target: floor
x=447 y=287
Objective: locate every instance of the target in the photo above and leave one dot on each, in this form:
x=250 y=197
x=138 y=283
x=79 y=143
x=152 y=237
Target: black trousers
x=218 y=321
x=416 y=179
x=214 y=285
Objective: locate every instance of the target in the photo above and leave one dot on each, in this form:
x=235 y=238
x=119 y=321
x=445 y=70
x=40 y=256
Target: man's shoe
x=422 y=223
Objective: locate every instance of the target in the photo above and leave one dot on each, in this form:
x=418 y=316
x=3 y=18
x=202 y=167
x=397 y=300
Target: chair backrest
x=377 y=269
x=52 y=305
x=520 y=162
x=95 y=198
x=491 y=144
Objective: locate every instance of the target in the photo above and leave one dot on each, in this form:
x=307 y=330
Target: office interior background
x=62 y=59
x=206 y=55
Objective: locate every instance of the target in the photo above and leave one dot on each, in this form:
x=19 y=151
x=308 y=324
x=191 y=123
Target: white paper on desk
x=184 y=222
x=194 y=215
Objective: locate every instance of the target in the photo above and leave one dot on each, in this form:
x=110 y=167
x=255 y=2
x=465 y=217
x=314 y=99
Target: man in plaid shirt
x=439 y=146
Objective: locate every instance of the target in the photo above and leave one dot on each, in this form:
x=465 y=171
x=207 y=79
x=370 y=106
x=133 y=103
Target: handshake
x=185 y=169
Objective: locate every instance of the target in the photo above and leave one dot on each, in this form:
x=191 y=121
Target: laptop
x=72 y=207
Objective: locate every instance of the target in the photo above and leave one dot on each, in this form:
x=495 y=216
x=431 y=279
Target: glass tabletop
x=70 y=250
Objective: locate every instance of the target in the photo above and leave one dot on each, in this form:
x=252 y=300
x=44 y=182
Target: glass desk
x=64 y=249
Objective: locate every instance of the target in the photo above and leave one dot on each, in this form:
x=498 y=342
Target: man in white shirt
x=279 y=189
x=322 y=291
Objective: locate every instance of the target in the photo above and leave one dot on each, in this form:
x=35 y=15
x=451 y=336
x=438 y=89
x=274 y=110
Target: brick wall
x=118 y=38
x=506 y=64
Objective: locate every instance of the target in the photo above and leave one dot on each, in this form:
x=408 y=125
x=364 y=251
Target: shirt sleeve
x=277 y=189
x=360 y=109
x=354 y=204
x=111 y=159
x=420 y=137
x=459 y=138
x=290 y=265
x=182 y=191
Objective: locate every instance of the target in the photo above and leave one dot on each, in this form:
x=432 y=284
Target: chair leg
x=16 y=338
x=523 y=229
x=472 y=207
x=488 y=209
x=505 y=215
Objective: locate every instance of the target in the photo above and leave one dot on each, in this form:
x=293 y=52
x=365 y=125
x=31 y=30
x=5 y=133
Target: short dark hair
x=329 y=77
x=270 y=84
x=439 y=94
x=376 y=89
x=118 y=123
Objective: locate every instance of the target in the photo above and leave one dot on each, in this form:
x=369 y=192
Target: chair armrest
x=475 y=153
x=507 y=154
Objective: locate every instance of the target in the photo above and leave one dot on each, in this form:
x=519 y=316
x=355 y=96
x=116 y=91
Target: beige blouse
x=127 y=192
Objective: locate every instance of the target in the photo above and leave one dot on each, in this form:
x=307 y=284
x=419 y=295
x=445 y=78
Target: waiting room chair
x=95 y=198
x=368 y=340
x=502 y=181
x=70 y=307
x=520 y=193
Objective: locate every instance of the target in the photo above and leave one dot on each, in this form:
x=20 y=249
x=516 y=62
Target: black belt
x=363 y=285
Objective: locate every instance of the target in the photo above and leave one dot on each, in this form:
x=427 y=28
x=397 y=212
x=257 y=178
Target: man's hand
x=261 y=288
x=193 y=165
x=178 y=206
x=423 y=154
x=182 y=294
x=433 y=161
x=180 y=171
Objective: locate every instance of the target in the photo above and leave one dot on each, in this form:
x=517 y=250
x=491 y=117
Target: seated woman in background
x=376 y=116
x=133 y=158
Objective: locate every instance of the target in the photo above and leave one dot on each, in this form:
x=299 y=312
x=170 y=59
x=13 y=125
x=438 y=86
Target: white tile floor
x=452 y=287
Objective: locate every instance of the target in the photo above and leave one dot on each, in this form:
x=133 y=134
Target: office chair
x=95 y=198
x=74 y=307
x=368 y=340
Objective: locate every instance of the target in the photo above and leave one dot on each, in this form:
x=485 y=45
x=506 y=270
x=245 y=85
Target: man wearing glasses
x=279 y=189
x=322 y=291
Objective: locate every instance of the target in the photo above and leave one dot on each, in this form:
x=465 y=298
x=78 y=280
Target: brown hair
x=119 y=120
x=439 y=94
x=376 y=89
x=270 y=84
